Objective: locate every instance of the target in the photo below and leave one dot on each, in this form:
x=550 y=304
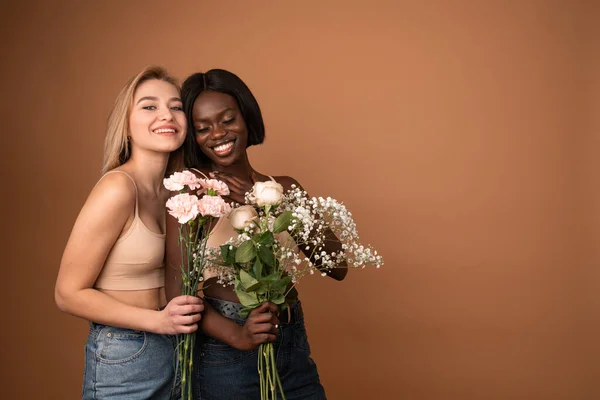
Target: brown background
x=462 y=134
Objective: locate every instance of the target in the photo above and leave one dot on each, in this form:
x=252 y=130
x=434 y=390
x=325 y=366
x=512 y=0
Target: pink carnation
x=179 y=180
x=218 y=186
x=213 y=206
x=184 y=207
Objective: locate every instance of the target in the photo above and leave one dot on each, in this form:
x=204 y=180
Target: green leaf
x=247 y=281
x=281 y=284
x=246 y=299
x=266 y=255
x=225 y=251
x=279 y=299
x=262 y=290
x=258 y=287
x=266 y=238
x=270 y=278
x=282 y=222
x=227 y=254
x=246 y=252
x=257 y=268
x=243 y=313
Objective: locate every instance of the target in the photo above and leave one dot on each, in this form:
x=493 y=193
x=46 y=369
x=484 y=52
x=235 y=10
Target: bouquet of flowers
x=195 y=216
x=263 y=262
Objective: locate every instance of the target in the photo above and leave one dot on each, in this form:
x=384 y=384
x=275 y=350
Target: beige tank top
x=136 y=260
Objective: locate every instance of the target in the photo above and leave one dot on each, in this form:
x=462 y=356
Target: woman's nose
x=166 y=116
x=218 y=132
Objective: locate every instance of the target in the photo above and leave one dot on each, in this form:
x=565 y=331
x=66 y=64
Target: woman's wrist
x=154 y=322
x=239 y=340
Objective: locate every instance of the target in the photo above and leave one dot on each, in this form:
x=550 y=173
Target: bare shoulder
x=106 y=210
x=114 y=192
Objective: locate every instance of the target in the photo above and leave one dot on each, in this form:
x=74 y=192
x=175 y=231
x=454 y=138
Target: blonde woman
x=112 y=270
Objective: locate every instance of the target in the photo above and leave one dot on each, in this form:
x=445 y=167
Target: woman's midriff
x=152 y=299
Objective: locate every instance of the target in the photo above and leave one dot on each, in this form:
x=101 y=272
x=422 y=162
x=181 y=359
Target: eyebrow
x=156 y=99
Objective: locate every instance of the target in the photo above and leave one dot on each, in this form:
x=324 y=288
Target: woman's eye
x=229 y=121
x=149 y=108
x=177 y=108
x=201 y=130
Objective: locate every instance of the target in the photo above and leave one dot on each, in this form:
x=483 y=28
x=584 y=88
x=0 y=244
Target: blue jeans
x=223 y=372
x=123 y=364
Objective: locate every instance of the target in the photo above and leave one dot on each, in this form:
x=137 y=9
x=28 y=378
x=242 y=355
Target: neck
x=242 y=170
x=150 y=169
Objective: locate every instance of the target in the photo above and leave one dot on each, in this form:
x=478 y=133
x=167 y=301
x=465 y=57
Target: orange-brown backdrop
x=462 y=134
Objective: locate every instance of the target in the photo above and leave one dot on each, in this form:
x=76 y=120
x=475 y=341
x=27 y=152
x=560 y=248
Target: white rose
x=267 y=193
x=241 y=217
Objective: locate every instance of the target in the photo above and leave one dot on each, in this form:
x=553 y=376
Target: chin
x=171 y=145
x=168 y=149
x=222 y=162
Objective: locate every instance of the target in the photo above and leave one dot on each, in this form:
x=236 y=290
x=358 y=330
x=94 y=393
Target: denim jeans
x=222 y=372
x=124 y=364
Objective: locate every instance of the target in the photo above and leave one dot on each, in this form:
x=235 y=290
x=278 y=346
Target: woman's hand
x=260 y=327
x=237 y=187
x=181 y=315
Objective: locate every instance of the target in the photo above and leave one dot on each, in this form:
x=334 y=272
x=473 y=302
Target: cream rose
x=242 y=217
x=267 y=193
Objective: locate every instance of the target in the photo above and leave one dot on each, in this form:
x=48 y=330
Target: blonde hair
x=116 y=145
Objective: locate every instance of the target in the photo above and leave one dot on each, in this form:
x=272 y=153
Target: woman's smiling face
x=220 y=129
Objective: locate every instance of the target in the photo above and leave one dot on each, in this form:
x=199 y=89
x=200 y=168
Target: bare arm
x=96 y=230
x=260 y=327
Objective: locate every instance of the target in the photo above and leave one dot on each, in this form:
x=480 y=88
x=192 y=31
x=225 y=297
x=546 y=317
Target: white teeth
x=224 y=147
x=164 y=131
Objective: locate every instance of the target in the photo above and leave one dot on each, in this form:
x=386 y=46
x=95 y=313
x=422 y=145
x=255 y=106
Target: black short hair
x=219 y=80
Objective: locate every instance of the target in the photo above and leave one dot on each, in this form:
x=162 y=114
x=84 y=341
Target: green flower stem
x=191 y=274
x=272 y=371
x=184 y=369
x=192 y=338
x=267 y=372
x=261 y=373
x=265 y=354
x=276 y=374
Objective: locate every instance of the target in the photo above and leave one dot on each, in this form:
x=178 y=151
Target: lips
x=165 y=130
x=224 y=148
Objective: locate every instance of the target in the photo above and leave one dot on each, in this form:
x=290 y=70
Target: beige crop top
x=136 y=260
